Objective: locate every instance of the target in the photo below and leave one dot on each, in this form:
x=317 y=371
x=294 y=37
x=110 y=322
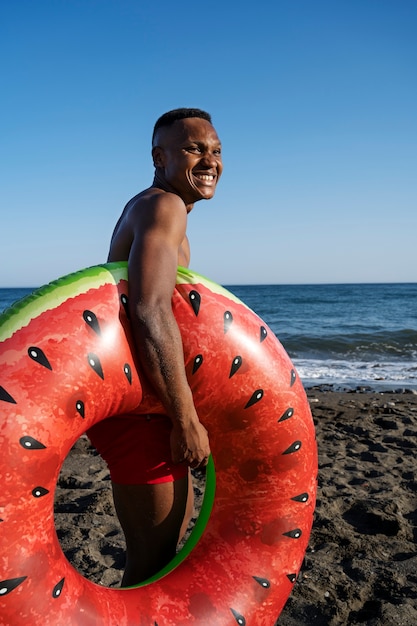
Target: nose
x=209 y=159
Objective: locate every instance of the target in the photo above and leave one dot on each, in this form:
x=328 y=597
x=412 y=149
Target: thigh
x=152 y=518
x=157 y=508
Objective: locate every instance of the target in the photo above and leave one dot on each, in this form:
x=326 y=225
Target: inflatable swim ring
x=66 y=363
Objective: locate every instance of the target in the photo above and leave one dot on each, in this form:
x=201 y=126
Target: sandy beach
x=361 y=564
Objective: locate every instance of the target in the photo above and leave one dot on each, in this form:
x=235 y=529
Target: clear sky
x=315 y=103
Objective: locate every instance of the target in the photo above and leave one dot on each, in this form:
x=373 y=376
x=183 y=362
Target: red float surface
x=66 y=363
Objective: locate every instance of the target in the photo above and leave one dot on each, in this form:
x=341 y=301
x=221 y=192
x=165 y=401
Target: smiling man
x=149 y=456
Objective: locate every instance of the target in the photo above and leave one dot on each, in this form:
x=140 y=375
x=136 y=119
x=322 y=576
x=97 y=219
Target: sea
x=341 y=337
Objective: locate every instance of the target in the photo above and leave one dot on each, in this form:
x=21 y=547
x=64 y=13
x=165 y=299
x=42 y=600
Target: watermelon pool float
x=66 y=362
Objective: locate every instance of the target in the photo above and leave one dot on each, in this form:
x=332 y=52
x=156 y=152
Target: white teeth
x=205 y=177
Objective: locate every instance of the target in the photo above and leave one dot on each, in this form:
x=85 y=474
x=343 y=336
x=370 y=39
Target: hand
x=190 y=445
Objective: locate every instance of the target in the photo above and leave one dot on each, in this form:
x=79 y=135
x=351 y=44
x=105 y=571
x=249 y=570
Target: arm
x=153 y=260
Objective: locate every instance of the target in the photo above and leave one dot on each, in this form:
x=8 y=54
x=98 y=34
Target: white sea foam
x=356 y=373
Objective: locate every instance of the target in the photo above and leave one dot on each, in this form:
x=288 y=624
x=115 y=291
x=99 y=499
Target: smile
x=209 y=178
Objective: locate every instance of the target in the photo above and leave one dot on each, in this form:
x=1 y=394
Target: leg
x=153 y=514
x=152 y=518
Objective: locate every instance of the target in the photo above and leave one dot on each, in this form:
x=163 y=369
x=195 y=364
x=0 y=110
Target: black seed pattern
x=79 y=405
x=6 y=586
x=125 y=302
x=29 y=443
x=303 y=497
x=294 y=447
x=56 y=591
x=239 y=618
x=255 y=397
x=293 y=534
x=288 y=413
x=195 y=300
x=38 y=492
x=236 y=364
x=6 y=397
x=198 y=361
x=91 y=319
x=264 y=582
x=227 y=320
x=94 y=363
x=36 y=354
x=128 y=372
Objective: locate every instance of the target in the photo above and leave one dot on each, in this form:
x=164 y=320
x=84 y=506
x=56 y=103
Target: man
x=149 y=456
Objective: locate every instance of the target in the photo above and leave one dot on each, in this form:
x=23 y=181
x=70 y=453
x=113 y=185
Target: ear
x=158 y=156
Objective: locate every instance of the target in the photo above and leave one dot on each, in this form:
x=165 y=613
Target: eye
x=195 y=149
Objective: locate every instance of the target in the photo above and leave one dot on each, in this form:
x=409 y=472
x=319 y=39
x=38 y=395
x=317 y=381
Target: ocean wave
x=365 y=346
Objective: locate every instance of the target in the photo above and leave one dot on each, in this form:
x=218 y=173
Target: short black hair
x=167 y=119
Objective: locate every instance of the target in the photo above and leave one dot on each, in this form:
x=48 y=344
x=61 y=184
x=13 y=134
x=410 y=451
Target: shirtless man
x=154 y=503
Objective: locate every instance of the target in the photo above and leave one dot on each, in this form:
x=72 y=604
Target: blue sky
x=315 y=103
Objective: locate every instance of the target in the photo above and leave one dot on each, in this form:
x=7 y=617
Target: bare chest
x=184 y=253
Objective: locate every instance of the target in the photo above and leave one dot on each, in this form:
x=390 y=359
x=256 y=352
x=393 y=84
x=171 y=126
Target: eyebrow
x=199 y=142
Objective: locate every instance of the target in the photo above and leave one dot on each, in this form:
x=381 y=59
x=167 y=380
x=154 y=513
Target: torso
x=183 y=257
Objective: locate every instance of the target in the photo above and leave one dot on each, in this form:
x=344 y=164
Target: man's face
x=188 y=157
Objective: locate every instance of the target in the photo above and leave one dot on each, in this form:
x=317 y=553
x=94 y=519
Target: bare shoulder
x=153 y=215
x=153 y=205
x=156 y=212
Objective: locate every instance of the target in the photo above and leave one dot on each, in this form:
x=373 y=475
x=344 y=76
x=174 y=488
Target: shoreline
x=360 y=567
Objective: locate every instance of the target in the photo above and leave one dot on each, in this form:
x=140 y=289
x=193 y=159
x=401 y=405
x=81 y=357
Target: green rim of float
x=197 y=531
x=58 y=291
x=49 y=297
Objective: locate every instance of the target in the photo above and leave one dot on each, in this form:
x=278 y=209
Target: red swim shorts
x=137 y=449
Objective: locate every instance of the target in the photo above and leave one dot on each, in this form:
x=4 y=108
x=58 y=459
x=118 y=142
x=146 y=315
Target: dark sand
x=361 y=565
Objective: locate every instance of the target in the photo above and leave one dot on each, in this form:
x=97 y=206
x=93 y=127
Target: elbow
x=147 y=315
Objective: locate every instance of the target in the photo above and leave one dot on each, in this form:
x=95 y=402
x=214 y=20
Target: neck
x=159 y=182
